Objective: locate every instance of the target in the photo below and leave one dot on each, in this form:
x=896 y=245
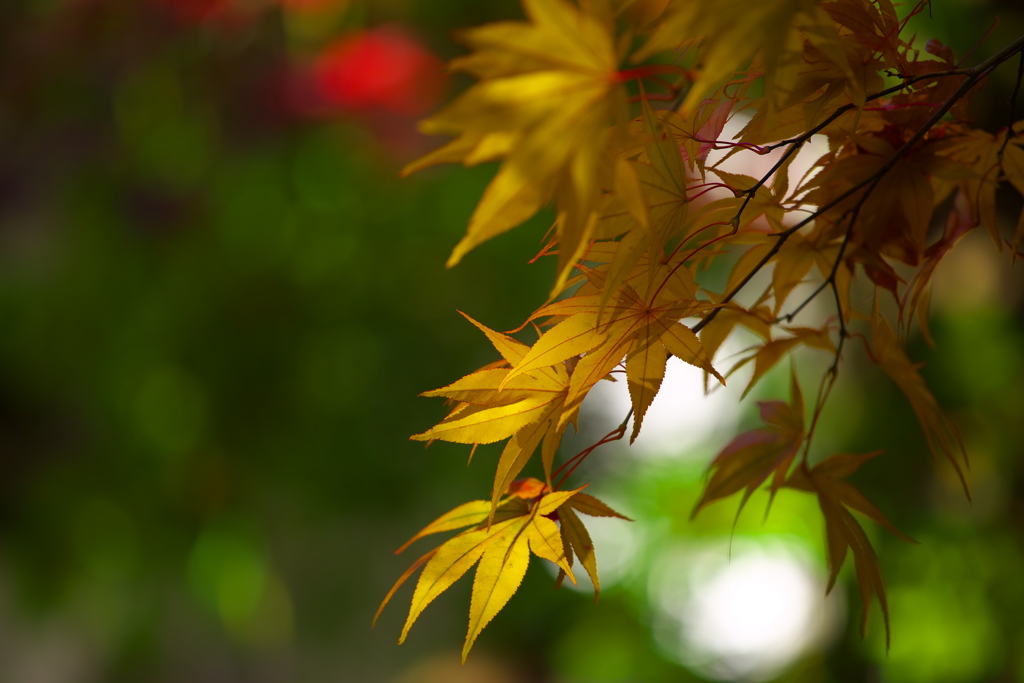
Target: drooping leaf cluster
x=615 y=113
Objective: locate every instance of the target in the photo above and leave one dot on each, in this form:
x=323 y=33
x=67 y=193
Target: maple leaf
x=978 y=151
x=893 y=219
x=1013 y=168
x=842 y=530
x=733 y=31
x=525 y=407
x=500 y=550
x=792 y=264
x=635 y=328
x=767 y=355
x=632 y=233
x=749 y=459
x=650 y=193
x=575 y=537
x=942 y=435
x=549 y=90
x=731 y=315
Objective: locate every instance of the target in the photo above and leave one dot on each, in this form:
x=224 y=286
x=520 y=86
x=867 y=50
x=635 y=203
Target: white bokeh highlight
x=744 y=618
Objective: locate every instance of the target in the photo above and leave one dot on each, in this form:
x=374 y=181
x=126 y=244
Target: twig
x=973 y=75
x=575 y=461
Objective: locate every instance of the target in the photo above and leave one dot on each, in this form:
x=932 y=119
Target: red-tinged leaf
x=842 y=531
x=546 y=543
x=917 y=297
x=765 y=359
x=1013 y=167
x=788 y=421
x=450 y=561
x=645 y=368
x=814 y=337
x=466 y=514
x=828 y=475
x=774 y=412
x=501 y=570
x=589 y=505
x=942 y=435
x=746 y=463
x=748 y=460
x=843 y=465
x=836 y=540
x=527 y=489
x=576 y=537
x=916 y=200
x=768 y=355
x=787 y=418
x=979 y=150
x=852 y=498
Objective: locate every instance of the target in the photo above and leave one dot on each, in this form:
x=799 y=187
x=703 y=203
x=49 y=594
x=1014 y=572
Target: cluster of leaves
x=611 y=110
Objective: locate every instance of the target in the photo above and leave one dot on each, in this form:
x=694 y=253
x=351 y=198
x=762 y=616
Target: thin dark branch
x=576 y=460
x=796 y=143
x=832 y=374
x=974 y=74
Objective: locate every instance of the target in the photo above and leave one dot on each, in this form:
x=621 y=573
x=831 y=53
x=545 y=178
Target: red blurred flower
x=379 y=69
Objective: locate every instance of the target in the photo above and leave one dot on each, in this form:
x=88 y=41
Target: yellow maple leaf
x=499 y=548
x=643 y=329
x=526 y=407
x=549 y=91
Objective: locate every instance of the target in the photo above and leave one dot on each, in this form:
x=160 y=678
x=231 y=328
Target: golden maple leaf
x=549 y=90
x=492 y=405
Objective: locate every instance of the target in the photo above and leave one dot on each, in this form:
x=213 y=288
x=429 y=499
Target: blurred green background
x=218 y=303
